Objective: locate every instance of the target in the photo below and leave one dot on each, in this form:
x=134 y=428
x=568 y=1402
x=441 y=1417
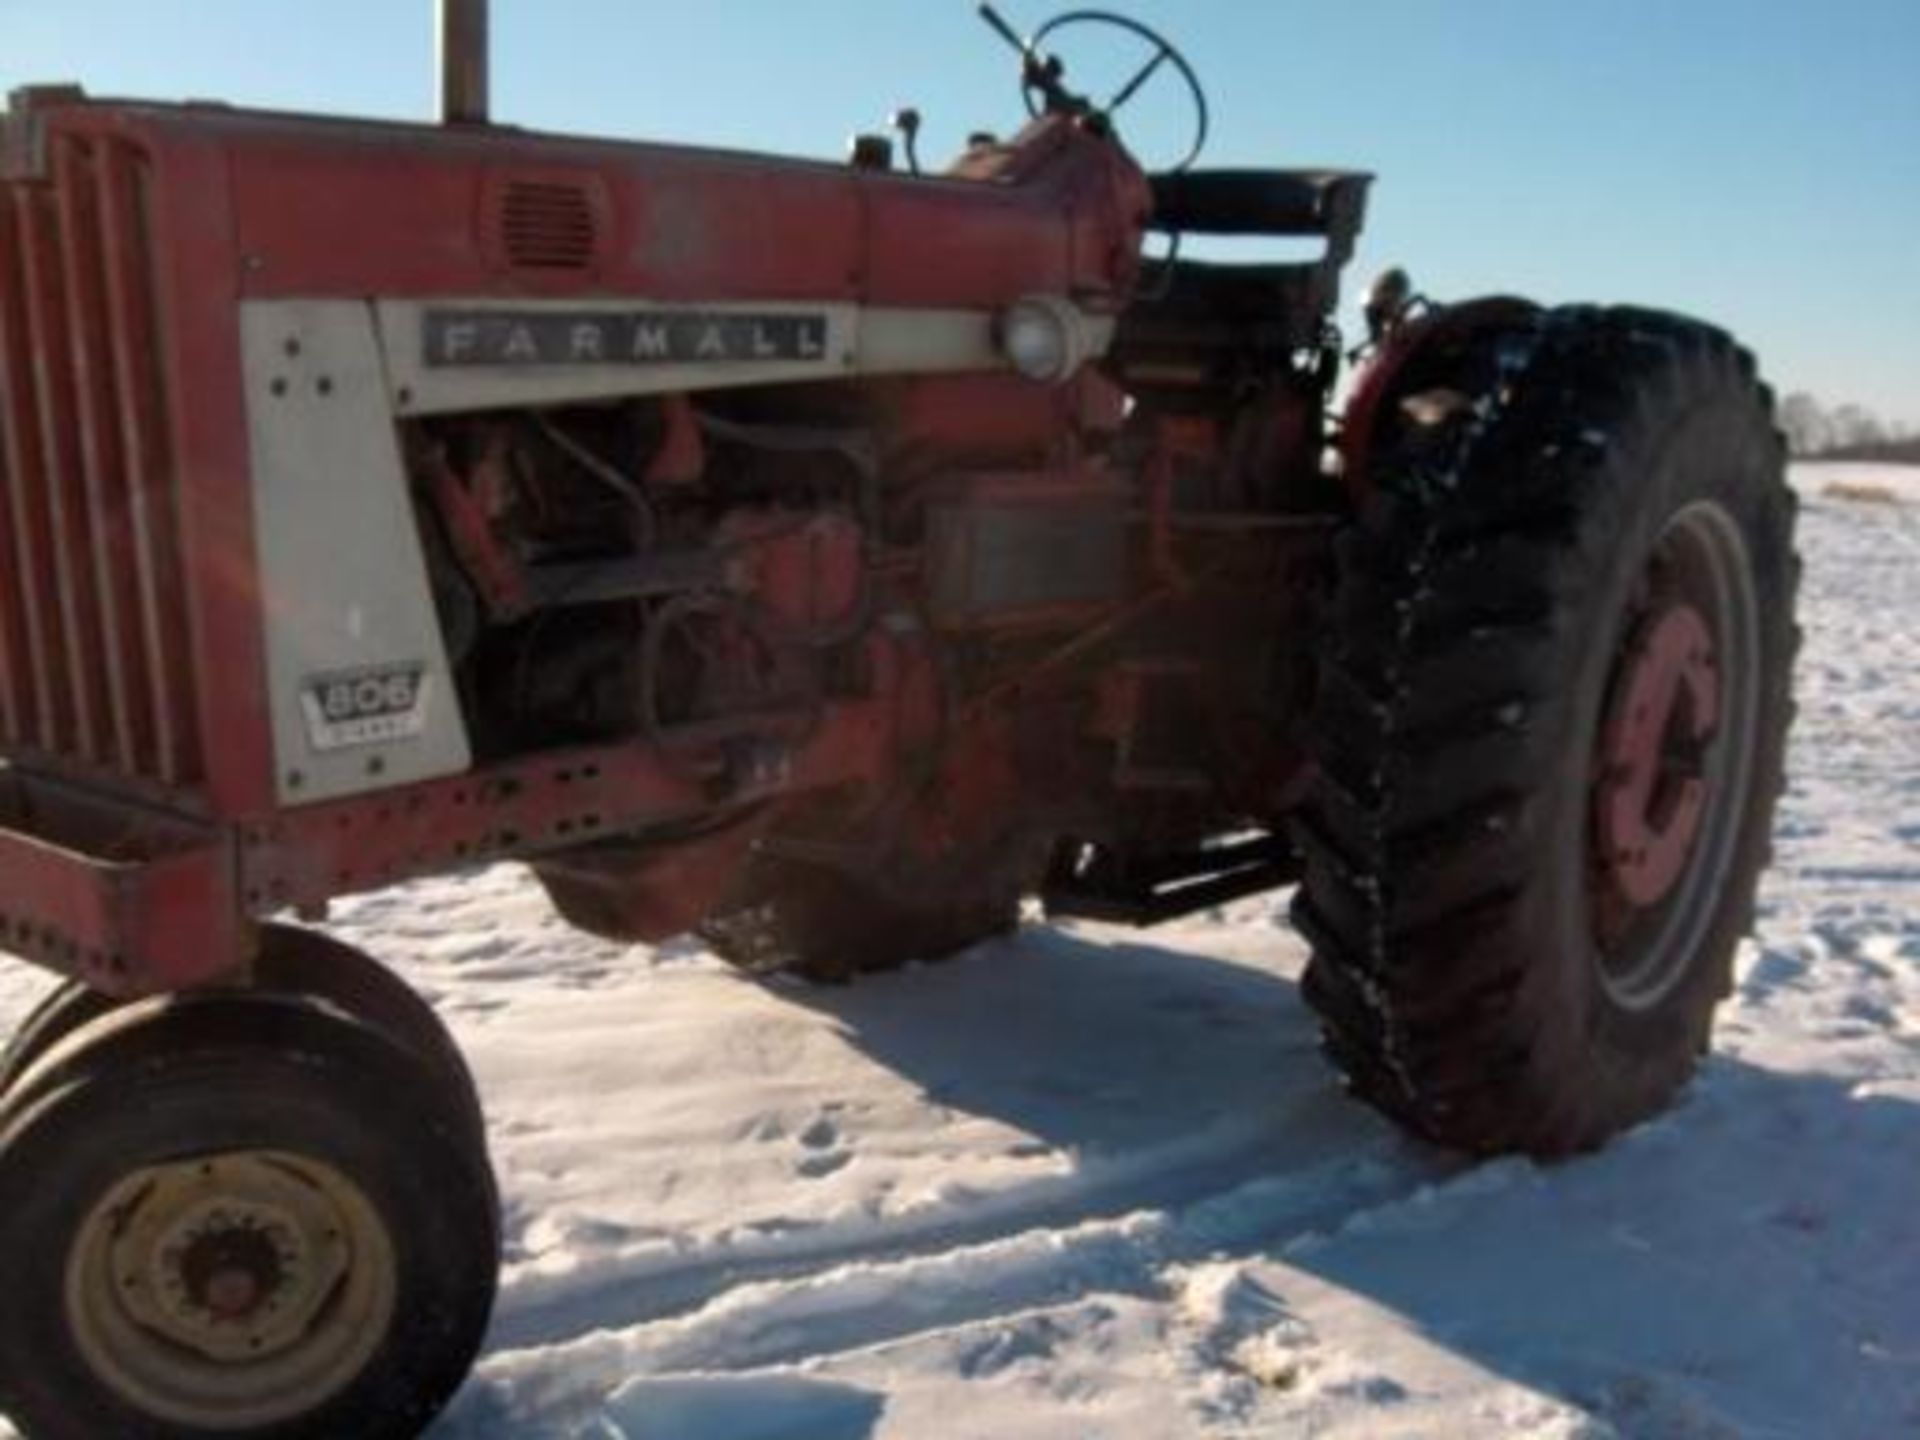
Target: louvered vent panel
x=548 y=225
x=94 y=661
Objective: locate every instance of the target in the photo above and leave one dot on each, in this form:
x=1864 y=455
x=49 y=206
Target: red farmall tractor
x=822 y=558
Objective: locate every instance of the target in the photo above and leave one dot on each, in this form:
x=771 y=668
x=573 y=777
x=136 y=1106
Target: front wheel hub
x=233 y=1290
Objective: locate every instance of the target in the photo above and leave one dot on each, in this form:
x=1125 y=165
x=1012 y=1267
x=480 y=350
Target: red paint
x=128 y=900
x=806 y=570
x=1382 y=380
x=682 y=457
x=1650 y=800
x=132 y=658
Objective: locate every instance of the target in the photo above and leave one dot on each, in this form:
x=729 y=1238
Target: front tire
x=292 y=962
x=1550 y=728
x=238 y=1216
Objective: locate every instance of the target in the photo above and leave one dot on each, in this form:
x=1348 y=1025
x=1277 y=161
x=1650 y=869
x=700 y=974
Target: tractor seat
x=1194 y=316
x=1193 y=306
x=1262 y=202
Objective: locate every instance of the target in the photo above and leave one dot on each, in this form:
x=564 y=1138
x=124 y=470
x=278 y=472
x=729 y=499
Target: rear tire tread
x=1417 y=834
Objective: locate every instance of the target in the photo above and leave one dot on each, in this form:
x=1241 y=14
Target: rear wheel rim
x=231 y=1291
x=1672 y=757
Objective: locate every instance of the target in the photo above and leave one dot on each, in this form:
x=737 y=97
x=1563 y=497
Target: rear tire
x=1493 y=964
x=238 y=1216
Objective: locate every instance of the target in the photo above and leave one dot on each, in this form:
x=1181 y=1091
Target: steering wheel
x=1040 y=78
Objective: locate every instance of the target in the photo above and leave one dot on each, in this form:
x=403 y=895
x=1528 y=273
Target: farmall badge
x=457 y=338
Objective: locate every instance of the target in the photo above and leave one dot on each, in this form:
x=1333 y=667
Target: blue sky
x=1756 y=161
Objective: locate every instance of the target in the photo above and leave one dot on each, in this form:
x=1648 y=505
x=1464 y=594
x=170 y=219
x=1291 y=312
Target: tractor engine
x=596 y=585
x=1024 y=576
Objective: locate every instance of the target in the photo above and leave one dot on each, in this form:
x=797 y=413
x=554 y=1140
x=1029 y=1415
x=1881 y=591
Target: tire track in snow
x=875 y=1297
x=1309 y=1132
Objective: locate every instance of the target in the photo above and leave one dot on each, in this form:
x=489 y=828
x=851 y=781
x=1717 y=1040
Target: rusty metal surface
x=129 y=900
x=537 y=806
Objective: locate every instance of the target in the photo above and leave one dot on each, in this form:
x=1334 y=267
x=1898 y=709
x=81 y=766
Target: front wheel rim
x=231 y=1291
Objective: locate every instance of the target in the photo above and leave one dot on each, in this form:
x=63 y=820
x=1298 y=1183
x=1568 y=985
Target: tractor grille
x=94 y=663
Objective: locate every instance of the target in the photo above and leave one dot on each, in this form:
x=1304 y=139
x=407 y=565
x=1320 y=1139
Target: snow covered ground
x=1088 y=1183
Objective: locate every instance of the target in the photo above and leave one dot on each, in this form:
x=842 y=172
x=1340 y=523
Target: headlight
x=1043 y=338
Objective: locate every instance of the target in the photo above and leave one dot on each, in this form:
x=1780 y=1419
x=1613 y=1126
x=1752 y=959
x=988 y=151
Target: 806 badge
x=365 y=707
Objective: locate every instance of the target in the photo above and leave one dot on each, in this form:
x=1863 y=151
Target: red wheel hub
x=1651 y=793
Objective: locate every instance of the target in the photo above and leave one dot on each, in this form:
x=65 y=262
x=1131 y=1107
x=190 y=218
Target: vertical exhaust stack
x=463 y=62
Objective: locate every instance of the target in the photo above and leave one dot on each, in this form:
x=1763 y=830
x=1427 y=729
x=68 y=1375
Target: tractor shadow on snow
x=1697 y=1277
x=1745 y=1264
x=1107 y=1048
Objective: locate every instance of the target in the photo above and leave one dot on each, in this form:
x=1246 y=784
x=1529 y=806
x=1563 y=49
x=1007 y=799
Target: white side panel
x=911 y=342
x=362 y=695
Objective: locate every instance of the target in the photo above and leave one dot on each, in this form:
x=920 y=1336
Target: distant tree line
x=1843 y=432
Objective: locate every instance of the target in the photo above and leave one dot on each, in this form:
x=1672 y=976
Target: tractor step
x=1089 y=882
